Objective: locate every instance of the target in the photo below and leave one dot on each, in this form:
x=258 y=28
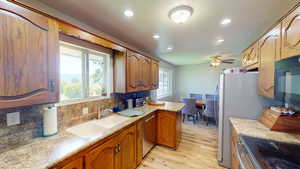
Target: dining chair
x=189 y=108
x=196 y=96
x=209 y=112
x=210 y=97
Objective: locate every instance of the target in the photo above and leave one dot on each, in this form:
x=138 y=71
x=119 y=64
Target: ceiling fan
x=218 y=60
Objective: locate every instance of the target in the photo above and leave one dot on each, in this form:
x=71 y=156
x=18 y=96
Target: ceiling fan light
x=181 y=14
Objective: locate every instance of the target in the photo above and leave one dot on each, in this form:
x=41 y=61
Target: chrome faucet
x=104 y=113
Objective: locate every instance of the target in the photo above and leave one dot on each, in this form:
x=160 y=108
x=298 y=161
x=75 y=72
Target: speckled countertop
x=43 y=153
x=256 y=129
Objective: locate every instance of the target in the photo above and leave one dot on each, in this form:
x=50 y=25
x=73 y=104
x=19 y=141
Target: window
x=83 y=72
x=165 y=83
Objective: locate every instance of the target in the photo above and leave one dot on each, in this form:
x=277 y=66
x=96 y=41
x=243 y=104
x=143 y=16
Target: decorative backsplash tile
x=31 y=118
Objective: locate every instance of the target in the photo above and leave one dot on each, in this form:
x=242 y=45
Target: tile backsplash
x=31 y=118
x=31 y=121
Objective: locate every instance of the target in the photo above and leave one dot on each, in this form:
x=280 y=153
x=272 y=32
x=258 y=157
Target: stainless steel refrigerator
x=237 y=98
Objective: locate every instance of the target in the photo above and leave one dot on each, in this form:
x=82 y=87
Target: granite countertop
x=43 y=153
x=255 y=128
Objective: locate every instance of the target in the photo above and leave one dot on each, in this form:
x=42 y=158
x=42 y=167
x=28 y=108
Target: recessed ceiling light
x=156 y=36
x=170 y=48
x=226 y=21
x=180 y=14
x=220 y=40
x=129 y=13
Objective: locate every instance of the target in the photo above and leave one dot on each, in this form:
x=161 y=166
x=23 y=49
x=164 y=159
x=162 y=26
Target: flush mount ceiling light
x=129 y=13
x=180 y=14
x=170 y=48
x=226 y=21
x=156 y=36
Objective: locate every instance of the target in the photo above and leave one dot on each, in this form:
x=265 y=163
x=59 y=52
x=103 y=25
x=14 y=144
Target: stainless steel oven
x=287 y=80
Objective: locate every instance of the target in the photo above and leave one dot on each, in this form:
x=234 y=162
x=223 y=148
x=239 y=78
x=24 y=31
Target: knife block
x=278 y=122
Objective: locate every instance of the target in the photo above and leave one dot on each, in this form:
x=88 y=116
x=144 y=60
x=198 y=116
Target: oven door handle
x=239 y=144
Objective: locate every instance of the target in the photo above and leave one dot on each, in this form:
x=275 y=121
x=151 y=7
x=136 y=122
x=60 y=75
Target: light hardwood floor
x=197 y=150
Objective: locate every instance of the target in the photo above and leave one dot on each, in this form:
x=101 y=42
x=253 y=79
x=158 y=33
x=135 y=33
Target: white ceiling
x=193 y=41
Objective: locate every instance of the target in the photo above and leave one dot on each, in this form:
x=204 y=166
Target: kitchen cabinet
x=75 y=164
x=234 y=159
x=134 y=72
x=119 y=152
x=168 y=128
x=127 y=149
x=291 y=34
x=154 y=77
x=250 y=57
x=145 y=73
x=103 y=156
x=139 y=142
x=269 y=51
x=29 y=71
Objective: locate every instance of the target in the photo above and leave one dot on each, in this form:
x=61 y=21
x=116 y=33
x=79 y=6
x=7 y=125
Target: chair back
x=190 y=106
x=210 y=97
x=196 y=96
x=210 y=108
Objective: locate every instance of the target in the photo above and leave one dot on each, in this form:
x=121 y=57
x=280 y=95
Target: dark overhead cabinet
x=28 y=57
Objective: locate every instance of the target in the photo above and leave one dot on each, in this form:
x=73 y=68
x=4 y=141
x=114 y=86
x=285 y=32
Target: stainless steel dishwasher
x=149 y=133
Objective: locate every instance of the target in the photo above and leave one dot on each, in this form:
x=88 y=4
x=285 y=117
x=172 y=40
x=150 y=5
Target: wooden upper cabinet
x=250 y=57
x=291 y=34
x=28 y=57
x=146 y=73
x=103 y=156
x=127 y=149
x=134 y=72
x=269 y=50
x=154 y=74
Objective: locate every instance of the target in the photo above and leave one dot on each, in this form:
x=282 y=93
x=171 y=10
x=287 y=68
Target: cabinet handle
x=52 y=86
x=119 y=148
x=116 y=148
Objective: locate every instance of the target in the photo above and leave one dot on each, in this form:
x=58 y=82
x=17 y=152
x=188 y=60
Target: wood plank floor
x=197 y=150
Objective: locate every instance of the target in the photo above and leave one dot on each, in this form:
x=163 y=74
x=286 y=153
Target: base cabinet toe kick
x=125 y=149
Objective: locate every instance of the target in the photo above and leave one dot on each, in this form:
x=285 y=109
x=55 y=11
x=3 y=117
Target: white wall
x=200 y=78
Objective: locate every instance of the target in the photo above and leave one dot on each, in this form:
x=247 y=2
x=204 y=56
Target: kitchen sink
x=97 y=127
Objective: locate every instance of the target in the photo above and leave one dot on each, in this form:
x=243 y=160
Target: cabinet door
x=133 y=71
x=291 y=34
x=28 y=57
x=127 y=149
x=154 y=74
x=76 y=164
x=139 y=142
x=166 y=128
x=234 y=160
x=104 y=156
x=250 y=57
x=146 y=73
x=269 y=49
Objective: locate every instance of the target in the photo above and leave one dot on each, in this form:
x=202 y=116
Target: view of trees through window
x=82 y=73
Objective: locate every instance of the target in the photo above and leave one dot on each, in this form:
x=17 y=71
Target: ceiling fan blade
x=229 y=60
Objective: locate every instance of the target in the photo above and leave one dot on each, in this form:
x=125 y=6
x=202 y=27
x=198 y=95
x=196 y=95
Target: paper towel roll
x=50 y=121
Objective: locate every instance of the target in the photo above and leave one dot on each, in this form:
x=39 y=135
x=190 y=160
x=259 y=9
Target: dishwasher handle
x=150 y=118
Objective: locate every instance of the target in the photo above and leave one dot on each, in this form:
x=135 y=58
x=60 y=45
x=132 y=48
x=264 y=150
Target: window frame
x=170 y=85
x=85 y=73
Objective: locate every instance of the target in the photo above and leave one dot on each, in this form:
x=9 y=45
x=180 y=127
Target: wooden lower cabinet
x=104 y=156
x=234 y=160
x=168 y=128
x=139 y=142
x=126 y=156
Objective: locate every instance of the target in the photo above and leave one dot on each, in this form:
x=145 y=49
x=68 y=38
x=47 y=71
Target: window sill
x=77 y=101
